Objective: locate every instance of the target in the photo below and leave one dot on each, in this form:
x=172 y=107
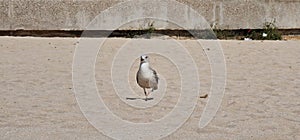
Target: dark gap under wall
x=195 y=34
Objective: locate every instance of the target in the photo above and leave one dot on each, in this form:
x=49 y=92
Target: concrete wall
x=76 y=14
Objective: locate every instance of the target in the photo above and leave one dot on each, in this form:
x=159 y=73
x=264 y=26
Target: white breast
x=145 y=72
x=145 y=76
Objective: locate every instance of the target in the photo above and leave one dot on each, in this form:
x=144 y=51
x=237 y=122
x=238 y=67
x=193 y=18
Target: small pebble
x=204 y=96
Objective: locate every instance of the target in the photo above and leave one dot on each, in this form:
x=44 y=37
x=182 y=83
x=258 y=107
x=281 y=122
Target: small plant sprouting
x=146 y=32
x=150 y=28
x=269 y=32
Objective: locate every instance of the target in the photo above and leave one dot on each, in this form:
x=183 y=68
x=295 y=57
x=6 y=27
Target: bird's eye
x=146 y=57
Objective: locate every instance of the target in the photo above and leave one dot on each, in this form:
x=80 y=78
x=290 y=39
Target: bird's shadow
x=130 y=98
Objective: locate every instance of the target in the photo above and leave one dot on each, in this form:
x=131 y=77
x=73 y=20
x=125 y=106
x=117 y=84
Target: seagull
x=146 y=77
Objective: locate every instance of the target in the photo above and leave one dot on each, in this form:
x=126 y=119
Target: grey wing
x=155 y=76
x=137 y=77
x=154 y=81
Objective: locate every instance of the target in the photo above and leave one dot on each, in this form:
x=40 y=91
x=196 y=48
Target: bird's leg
x=145 y=93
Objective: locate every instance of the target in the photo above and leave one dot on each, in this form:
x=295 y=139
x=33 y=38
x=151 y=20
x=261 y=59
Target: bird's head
x=144 y=58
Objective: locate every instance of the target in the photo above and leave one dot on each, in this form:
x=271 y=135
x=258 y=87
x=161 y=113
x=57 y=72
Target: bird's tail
x=154 y=88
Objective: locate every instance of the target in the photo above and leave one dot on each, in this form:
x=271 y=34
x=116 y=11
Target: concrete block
x=5 y=14
x=77 y=14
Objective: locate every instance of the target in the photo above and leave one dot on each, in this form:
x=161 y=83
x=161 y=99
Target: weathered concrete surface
x=75 y=15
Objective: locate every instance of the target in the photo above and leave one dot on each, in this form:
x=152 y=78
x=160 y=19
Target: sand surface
x=261 y=100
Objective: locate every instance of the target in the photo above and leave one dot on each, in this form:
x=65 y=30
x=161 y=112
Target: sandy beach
x=261 y=99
